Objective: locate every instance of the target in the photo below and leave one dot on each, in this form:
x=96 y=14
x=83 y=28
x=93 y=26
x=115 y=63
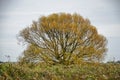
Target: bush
x=85 y=71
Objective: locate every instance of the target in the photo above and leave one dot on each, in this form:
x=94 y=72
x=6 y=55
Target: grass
x=85 y=71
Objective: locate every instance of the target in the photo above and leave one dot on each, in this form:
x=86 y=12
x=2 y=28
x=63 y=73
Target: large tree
x=64 y=38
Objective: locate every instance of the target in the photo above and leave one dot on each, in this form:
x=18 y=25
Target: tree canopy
x=63 y=38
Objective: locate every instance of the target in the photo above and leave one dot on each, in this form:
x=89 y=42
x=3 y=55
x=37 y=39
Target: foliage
x=63 y=38
x=30 y=56
x=41 y=71
x=114 y=62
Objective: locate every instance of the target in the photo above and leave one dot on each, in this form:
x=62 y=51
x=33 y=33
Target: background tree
x=64 y=38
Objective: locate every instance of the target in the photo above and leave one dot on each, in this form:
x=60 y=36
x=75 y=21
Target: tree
x=64 y=38
x=30 y=55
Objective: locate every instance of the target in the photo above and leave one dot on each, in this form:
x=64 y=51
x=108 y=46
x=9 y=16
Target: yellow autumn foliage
x=64 y=38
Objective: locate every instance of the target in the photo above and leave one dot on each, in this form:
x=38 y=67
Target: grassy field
x=84 y=71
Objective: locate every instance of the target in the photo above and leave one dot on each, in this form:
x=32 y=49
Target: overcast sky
x=18 y=14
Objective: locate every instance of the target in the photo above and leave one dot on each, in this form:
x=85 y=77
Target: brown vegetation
x=62 y=38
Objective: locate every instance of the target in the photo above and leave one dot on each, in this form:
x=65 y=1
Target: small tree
x=64 y=38
x=30 y=55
